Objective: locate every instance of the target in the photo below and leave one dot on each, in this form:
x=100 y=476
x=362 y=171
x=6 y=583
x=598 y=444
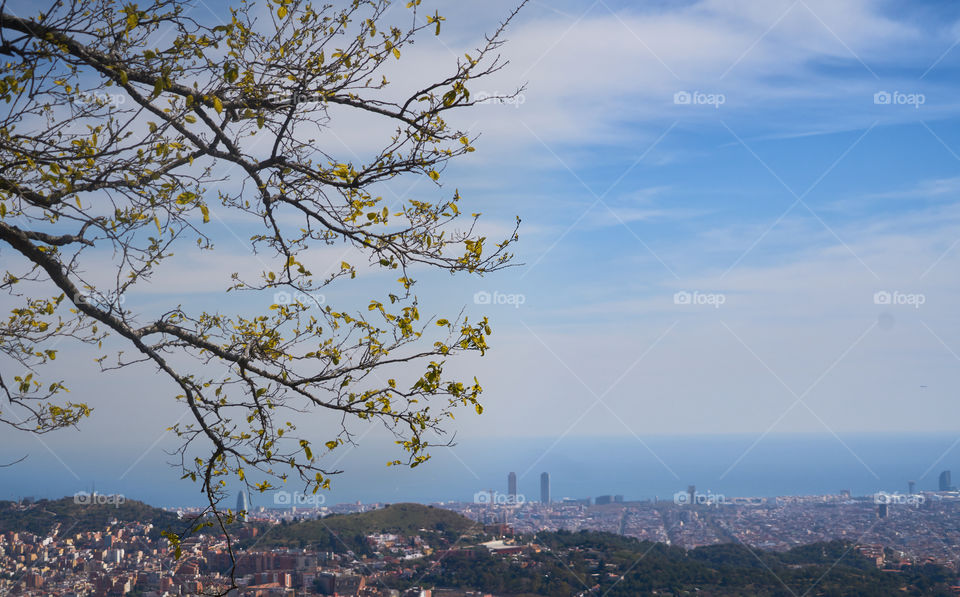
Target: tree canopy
x=121 y=122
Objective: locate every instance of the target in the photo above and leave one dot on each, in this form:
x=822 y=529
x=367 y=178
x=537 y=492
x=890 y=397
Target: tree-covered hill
x=339 y=532
x=40 y=516
x=593 y=563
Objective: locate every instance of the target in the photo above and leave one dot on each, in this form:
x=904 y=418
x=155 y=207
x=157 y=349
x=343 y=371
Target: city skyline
x=790 y=466
x=124 y=556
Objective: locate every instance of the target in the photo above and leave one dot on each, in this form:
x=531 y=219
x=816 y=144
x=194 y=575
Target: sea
x=637 y=468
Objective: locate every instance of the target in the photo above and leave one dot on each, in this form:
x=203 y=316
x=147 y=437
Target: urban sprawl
x=130 y=557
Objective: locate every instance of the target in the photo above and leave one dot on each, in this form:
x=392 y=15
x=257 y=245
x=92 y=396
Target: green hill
x=340 y=532
x=39 y=517
x=595 y=563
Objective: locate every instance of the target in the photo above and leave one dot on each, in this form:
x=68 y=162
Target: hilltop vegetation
x=616 y=566
x=342 y=532
x=40 y=516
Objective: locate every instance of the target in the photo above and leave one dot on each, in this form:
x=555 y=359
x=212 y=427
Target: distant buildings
x=545 y=488
x=512 y=487
x=911 y=486
x=243 y=505
x=945 y=484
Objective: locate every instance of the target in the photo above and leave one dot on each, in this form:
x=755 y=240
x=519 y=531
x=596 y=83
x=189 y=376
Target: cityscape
x=894 y=531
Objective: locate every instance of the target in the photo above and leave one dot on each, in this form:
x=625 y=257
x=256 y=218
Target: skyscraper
x=243 y=505
x=945 y=481
x=545 y=488
x=911 y=486
x=512 y=487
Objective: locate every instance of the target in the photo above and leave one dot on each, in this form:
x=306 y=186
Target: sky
x=738 y=217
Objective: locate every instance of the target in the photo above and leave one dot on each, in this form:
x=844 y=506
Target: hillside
x=40 y=516
x=339 y=532
x=616 y=566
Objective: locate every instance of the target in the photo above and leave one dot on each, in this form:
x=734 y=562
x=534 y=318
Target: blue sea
x=579 y=467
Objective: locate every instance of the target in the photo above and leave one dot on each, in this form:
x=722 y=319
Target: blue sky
x=792 y=196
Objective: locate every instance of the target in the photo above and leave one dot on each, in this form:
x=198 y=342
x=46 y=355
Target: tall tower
x=512 y=487
x=243 y=505
x=911 y=486
x=945 y=481
x=545 y=488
